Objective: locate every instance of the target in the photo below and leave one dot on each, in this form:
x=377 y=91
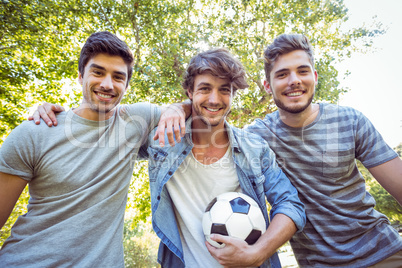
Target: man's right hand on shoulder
x=47 y=112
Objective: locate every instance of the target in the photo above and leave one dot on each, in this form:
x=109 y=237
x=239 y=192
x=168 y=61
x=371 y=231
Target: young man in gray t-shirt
x=78 y=172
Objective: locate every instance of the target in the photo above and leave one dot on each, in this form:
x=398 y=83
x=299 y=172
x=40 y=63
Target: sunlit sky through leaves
x=375 y=81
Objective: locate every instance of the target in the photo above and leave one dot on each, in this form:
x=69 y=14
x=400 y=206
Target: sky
x=375 y=81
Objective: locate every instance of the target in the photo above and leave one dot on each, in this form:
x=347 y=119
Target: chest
x=209 y=154
x=81 y=159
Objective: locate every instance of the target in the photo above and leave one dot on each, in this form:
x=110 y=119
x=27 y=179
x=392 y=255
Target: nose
x=294 y=79
x=214 y=96
x=107 y=83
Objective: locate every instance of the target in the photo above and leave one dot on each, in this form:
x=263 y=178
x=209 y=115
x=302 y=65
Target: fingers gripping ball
x=233 y=214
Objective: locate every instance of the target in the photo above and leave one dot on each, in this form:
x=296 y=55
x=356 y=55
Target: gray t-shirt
x=342 y=229
x=78 y=173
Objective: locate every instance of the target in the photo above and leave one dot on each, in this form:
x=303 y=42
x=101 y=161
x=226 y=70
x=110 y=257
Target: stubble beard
x=207 y=122
x=98 y=107
x=293 y=110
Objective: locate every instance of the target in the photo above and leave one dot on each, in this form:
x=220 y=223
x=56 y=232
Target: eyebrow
x=209 y=85
x=298 y=67
x=304 y=66
x=203 y=84
x=94 y=65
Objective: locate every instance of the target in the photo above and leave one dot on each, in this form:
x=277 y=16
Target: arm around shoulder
x=11 y=188
x=173 y=120
x=389 y=175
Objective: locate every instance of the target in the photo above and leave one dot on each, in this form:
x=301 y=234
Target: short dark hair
x=106 y=43
x=284 y=44
x=218 y=62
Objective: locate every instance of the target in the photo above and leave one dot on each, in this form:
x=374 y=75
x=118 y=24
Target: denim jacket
x=259 y=177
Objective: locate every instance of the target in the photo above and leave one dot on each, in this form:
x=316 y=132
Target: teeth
x=103 y=95
x=212 y=110
x=293 y=94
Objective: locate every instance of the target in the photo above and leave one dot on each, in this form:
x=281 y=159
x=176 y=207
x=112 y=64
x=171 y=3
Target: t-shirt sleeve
x=147 y=114
x=371 y=149
x=17 y=153
x=143 y=118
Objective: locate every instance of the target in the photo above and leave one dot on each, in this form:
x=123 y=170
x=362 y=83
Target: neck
x=210 y=143
x=301 y=119
x=203 y=134
x=88 y=113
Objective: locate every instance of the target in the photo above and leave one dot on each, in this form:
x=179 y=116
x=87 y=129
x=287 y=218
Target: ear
x=190 y=94
x=267 y=87
x=315 y=77
x=80 y=79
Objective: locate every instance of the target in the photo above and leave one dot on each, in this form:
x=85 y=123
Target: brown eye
x=97 y=72
x=226 y=90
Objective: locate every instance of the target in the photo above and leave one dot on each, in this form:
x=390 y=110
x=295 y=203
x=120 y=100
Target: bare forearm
x=10 y=190
x=280 y=230
x=185 y=106
x=389 y=175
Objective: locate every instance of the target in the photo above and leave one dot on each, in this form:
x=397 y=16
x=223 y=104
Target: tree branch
x=9 y=47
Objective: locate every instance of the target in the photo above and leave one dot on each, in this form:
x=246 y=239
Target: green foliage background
x=40 y=42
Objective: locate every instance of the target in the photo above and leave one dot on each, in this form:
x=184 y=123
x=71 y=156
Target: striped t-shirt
x=342 y=229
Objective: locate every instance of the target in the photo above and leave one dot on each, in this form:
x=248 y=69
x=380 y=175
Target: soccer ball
x=233 y=214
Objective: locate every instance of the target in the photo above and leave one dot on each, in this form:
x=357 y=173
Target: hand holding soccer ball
x=233 y=214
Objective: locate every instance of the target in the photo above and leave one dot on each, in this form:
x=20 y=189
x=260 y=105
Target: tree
x=40 y=43
x=247 y=26
x=38 y=49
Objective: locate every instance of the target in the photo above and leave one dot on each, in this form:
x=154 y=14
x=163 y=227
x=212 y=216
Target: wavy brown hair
x=284 y=44
x=218 y=62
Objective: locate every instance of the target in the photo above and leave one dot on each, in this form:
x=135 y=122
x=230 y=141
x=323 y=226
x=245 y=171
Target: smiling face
x=292 y=82
x=211 y=100
x=103 y=84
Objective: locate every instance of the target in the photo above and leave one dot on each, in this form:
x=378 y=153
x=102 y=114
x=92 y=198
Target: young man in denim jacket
x=212 y=158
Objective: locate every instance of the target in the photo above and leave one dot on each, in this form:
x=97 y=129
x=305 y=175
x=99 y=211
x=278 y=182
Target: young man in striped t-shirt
x=316 y=145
